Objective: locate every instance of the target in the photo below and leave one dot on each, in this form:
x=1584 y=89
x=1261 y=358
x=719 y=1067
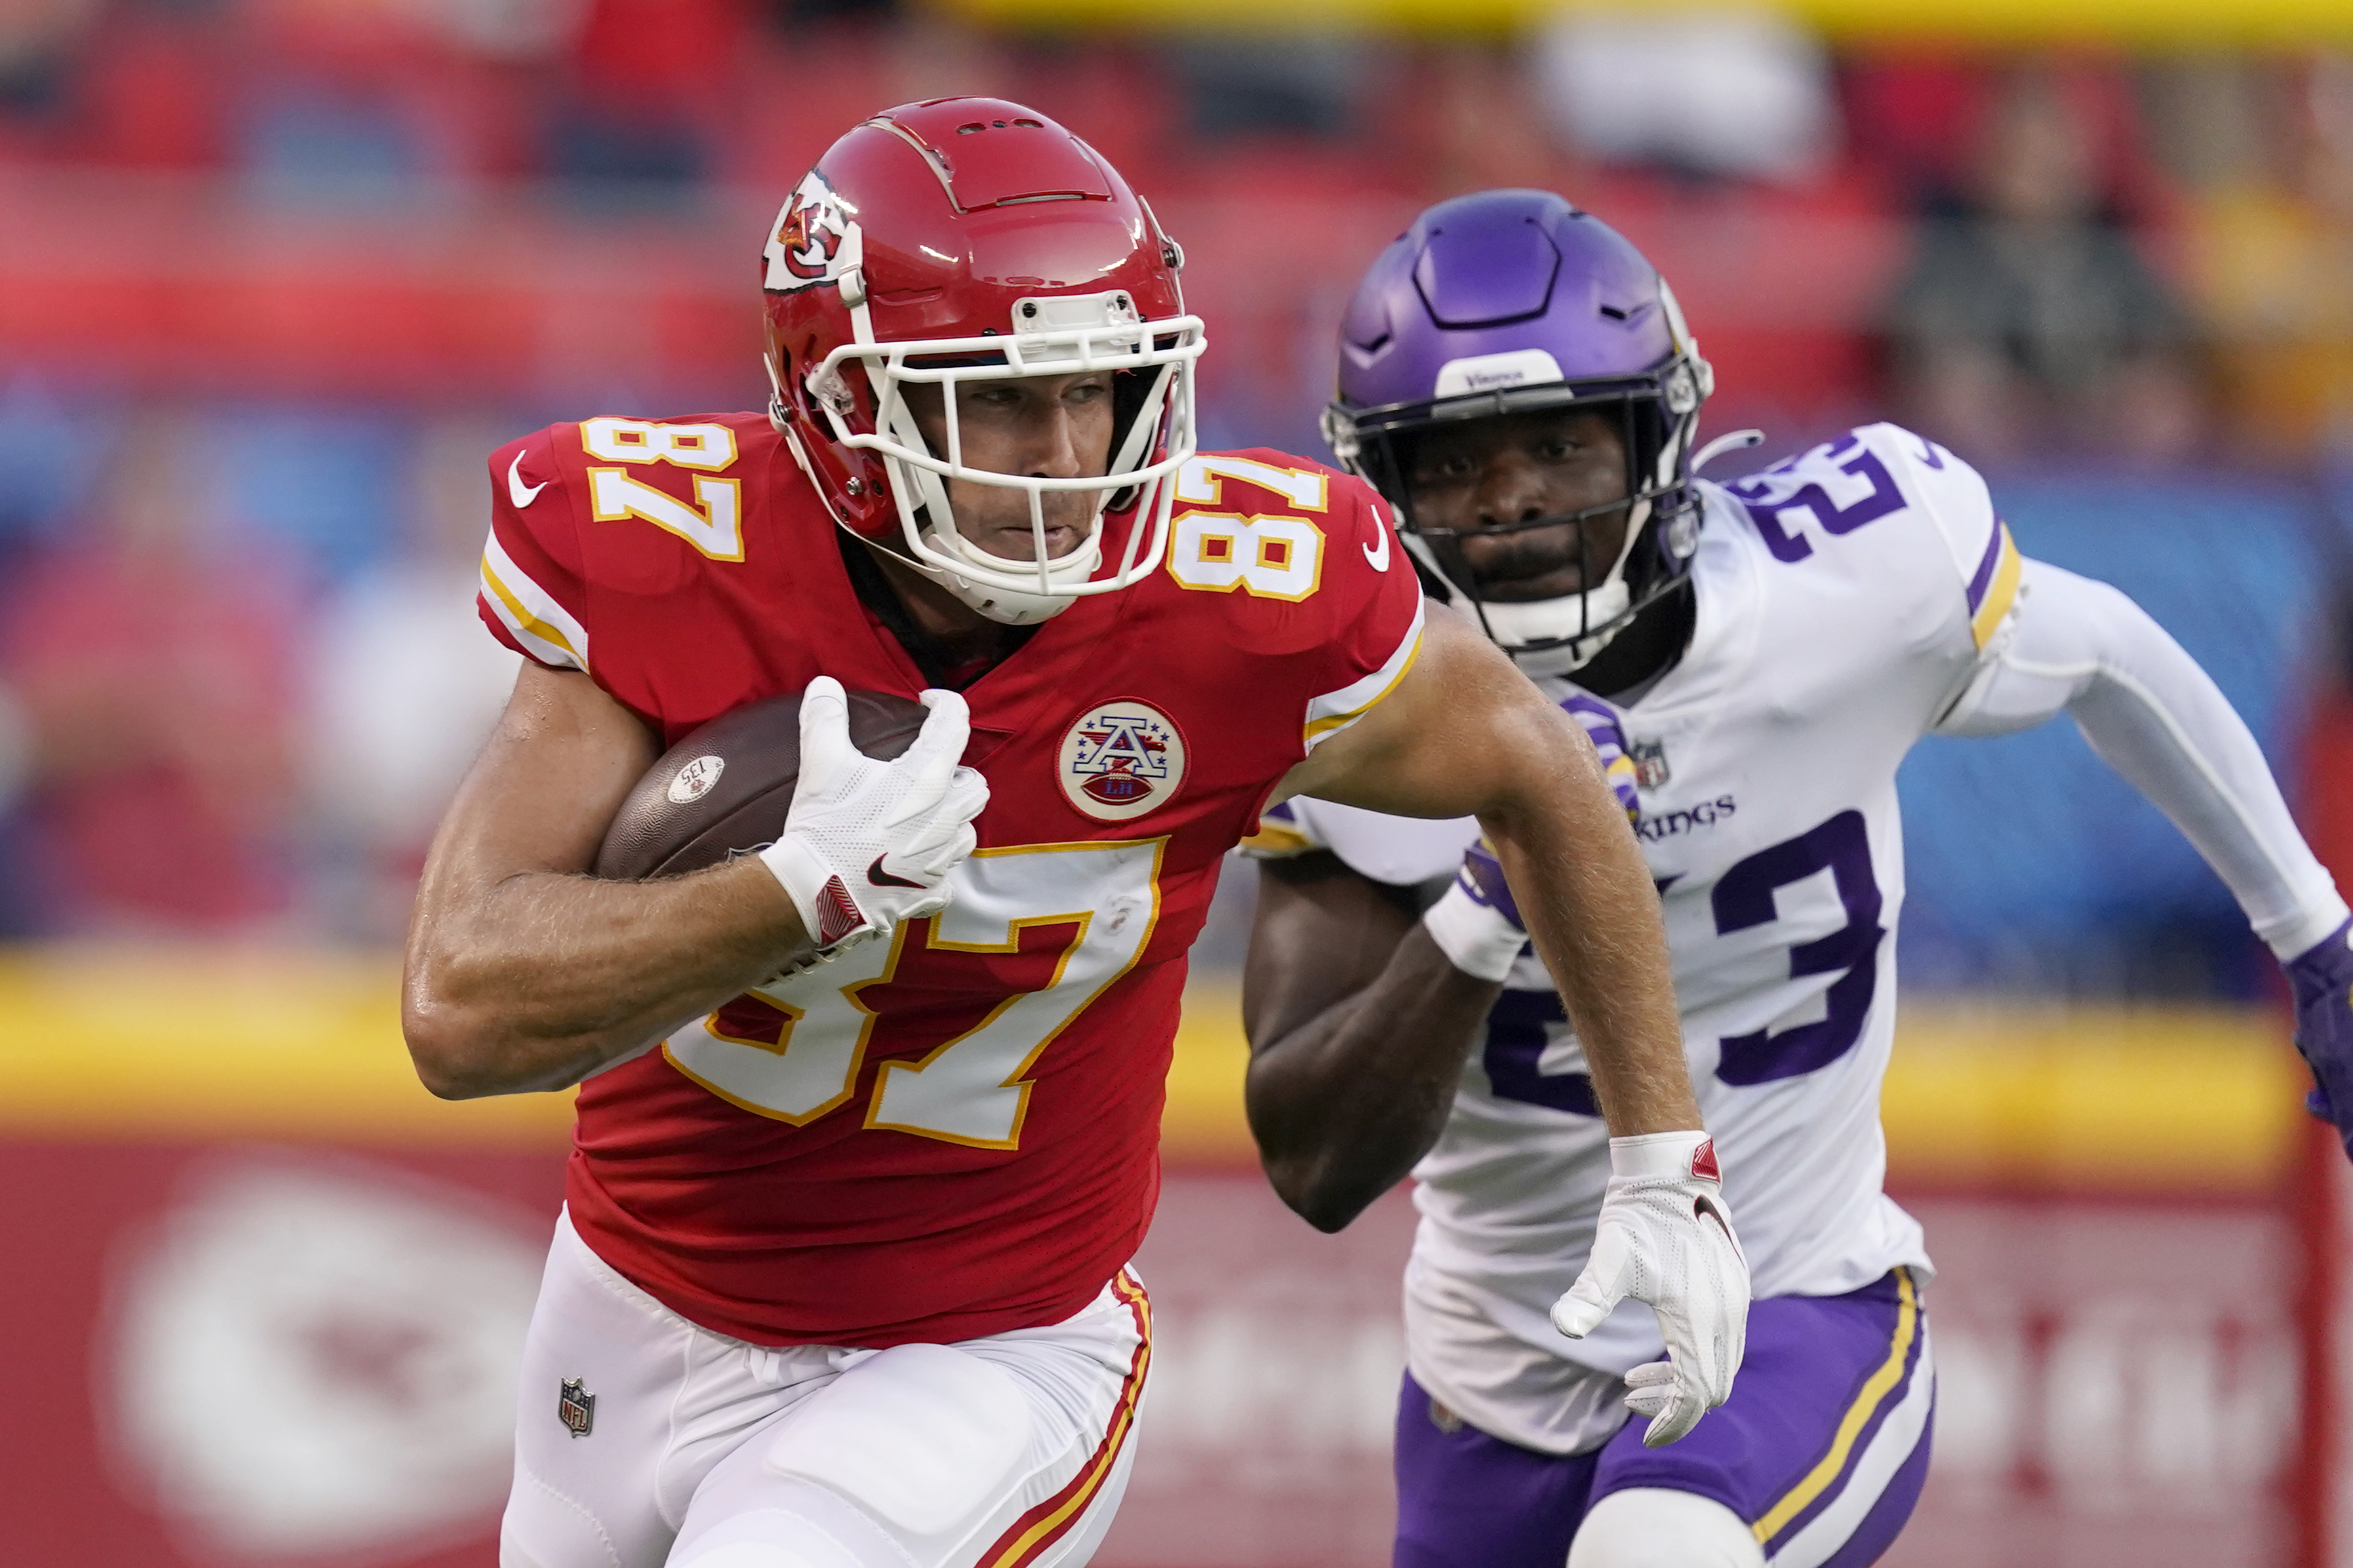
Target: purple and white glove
x=868 y=843
x=2322 y=976
x=1476 y=923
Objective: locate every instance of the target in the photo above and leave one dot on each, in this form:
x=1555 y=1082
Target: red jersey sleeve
x=1315 y=550
x=1377 y=606
x=533 y=595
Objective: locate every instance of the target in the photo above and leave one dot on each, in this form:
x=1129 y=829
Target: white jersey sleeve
x=2078 y=645
x=1957 y=557
x=1401 y=850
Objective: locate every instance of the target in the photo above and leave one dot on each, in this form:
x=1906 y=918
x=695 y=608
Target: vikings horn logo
x=808 y=236
x=1120 y=759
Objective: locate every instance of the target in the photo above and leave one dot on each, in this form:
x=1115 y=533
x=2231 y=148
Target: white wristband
x=1478 y=939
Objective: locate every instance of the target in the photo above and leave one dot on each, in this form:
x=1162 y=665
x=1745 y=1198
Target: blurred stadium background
x=276 y=274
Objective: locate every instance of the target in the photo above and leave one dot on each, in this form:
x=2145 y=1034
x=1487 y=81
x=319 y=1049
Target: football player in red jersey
x=868 y=1122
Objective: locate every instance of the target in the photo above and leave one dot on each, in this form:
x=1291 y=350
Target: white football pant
x=703 y=1451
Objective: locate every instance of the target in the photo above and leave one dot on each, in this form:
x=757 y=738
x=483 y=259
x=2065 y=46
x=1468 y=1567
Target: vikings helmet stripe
x=1335 y=711
x=544 y=626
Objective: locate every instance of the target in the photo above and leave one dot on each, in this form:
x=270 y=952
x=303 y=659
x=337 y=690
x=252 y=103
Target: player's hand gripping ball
x=854 y=801
x=2322 y=976
x=1665 y=1237
x=869 y=843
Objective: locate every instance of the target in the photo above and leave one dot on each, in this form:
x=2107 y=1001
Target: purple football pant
x=1821 y=1448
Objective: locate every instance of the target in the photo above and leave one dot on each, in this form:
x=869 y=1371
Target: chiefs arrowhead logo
x=1703 y=1165
x=809 y=241
x=807 y=238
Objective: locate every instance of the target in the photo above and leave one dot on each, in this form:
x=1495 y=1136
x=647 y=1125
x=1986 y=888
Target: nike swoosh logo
x=1379 y=558
x=523 y=495
x=881 y=878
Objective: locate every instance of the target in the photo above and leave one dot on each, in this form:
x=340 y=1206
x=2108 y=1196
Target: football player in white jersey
x=1752 y=662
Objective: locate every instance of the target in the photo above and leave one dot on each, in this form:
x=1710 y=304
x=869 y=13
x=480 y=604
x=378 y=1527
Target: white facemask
x=1550 y=637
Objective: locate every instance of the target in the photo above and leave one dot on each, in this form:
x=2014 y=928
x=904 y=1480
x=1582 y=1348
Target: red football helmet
x=968 y=239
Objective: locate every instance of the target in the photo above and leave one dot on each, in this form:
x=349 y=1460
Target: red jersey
x=953 y=1133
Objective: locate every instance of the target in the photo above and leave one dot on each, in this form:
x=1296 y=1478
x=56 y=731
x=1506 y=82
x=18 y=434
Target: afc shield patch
x=1120 y=759
x=575 y=1407
x=1650 y=760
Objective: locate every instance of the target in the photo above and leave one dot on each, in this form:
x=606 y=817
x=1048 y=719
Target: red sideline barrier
x=265 y=1295
x=267 y=1352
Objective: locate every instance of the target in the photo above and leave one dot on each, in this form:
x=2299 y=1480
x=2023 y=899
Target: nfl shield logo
x=575 y=1407
x=1650 y=759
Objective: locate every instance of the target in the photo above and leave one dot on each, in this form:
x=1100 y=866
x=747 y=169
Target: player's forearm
x=538 y=980
x=2173 y=736
x=1593 y=914
x=1343 y=1105
x=2156 y=718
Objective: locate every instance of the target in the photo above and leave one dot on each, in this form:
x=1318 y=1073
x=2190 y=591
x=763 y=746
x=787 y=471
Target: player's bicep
x=545 y=787
x=1322 y=933
x=1443 y=738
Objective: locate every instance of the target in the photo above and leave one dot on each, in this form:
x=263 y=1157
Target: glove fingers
x=825 y=735
x=930 y=904
x=1651 y=1403
x=1662 y=1392
x=949 y=824
x=1703 y=1355
x=939 y=746
x=937 y=856
x=1598 y=1291
x=1673 y=1425
x=1652 y=1375
x=967 y=797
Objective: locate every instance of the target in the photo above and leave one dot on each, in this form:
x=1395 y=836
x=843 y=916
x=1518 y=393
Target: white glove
x=1665 y=1237
x=868 y=844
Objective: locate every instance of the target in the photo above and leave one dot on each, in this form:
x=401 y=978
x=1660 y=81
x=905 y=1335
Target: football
x=726 y=787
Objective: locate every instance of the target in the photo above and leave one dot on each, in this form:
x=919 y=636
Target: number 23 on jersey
x=791 y=1051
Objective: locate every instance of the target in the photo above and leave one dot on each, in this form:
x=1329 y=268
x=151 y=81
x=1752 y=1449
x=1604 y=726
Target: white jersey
x=1848 y=601
x=1842 y=600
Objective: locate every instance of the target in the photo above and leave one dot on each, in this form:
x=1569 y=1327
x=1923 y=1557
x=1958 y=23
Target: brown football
x=726 y=787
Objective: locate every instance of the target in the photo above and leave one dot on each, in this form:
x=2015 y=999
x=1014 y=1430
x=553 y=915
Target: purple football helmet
x=1500 y=303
